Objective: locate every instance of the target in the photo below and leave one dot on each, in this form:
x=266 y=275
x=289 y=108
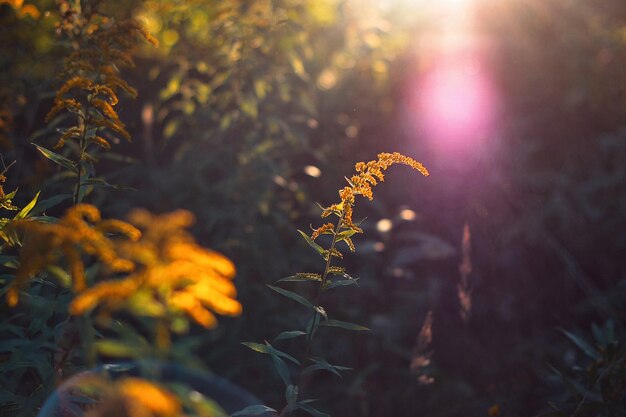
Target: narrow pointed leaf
x=253 y=410
x=44 y=205
x=27 y=208
x=57 y=159
x=282 y=369
x=312 y=325
x=321 y=364
x=582 y=344
x=290 y=294
x=301 y=278
x=99 y=182
x=348 y=280
x=343 y=325
x=269 y=350
x=312 y=244
x=289 y=335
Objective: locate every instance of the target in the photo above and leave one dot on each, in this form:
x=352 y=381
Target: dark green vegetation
x=240 y=97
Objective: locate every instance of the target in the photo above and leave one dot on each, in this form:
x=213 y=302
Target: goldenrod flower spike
x=368 y=174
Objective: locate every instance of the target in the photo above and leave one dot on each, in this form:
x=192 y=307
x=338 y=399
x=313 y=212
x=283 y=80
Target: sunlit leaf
x=27 y=208
x=60 y=275
x=260 y=88
x=298 y=67
x=312 y=244
x=57 y=159
x=9 y=261
x=249 y=107
x=117 y=349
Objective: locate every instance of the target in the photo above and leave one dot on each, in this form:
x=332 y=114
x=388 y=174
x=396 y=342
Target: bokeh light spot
x=384 y=225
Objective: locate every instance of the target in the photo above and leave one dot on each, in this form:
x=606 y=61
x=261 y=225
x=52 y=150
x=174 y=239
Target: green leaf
x=9 y=261
x=24 y=212
x=598 y=334
x=289 y=335
x=298 y=67
x=343 y=325
x=269 y=350
x=312 y=244
x=312 y=411
x=345 y=234
x=291 y=395
x=582 y=344
x=348 y=280
x=312 y=325
x=253 y=410
x=282 y=369
x=322 y=364
x=249 y=107
x=117 y=349
x=60 y=275
x=290 y=294
x=99 y=182
x=260 y=88
x=44 y=205
x=57 y=159
x=200 y=404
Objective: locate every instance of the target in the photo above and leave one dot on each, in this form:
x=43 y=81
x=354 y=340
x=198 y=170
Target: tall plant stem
x=320 y=288
x=285 y=410
x=80 y=165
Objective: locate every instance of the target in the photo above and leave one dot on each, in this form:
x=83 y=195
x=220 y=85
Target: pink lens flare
x=453 y=103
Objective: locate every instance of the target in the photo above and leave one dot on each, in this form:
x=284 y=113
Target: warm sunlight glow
x=455 y=101
x=452 y=99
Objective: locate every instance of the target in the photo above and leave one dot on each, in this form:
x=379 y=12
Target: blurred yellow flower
x=172 y=275
x=129 y=397
x=79 y=232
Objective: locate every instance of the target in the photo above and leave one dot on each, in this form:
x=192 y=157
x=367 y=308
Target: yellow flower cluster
x=91 y=71
x=22 y=9
x=130 y=396
x=367 y=175
x=80 y=231
x=172 y=275
x=5 y=200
